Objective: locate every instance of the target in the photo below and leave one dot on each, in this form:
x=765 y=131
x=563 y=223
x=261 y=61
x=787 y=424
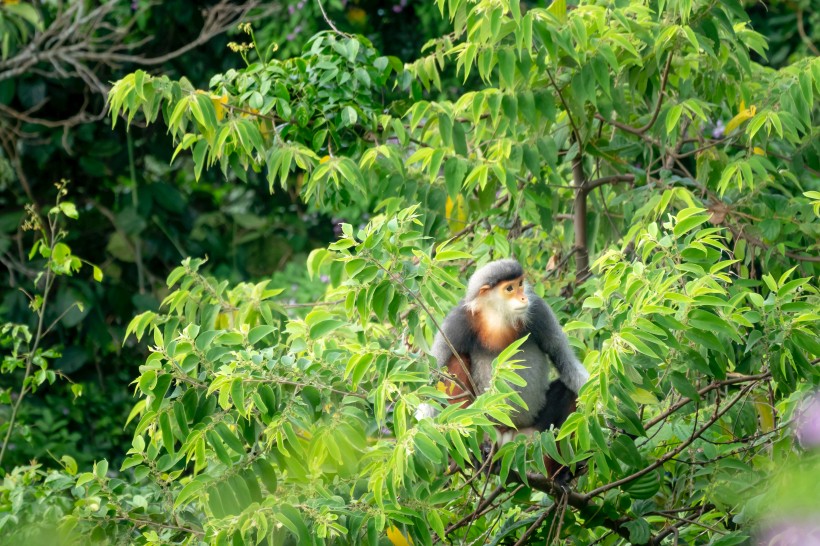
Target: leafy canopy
x=644 y=134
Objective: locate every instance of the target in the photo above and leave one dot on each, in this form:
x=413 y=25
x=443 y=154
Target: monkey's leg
x=560 y=404
x=459 y=395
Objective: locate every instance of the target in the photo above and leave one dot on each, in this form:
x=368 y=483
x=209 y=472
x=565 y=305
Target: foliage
x=139 y=216
x=142 y=215
x=255 y=425
x=27 y=357
x=646 y=136
x=574 y=101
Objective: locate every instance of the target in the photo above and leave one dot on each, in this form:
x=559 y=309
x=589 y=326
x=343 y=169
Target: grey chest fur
x=535 y=371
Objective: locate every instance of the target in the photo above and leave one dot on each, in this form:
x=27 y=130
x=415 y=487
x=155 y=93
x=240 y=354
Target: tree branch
x=592 y=184
x=658 y=463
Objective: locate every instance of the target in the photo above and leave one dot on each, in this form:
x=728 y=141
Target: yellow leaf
x=742 y=116
x=219 y=105
x=397 y=538
x=456 y=213
x=765 y=412
x=325 y=159
x=559 y=9
x=643 y=396
x=757 y=150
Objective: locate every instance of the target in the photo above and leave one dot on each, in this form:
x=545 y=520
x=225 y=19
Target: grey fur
x=491 y=274
x=547 y=342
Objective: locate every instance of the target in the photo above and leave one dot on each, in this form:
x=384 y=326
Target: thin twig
x=327 y=19
x=424 y=307
x=535 y=525
x=719 y=412
x=803 y=36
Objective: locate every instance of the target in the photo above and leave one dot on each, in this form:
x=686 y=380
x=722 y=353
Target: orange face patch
x=512 y=290
x=492 y=318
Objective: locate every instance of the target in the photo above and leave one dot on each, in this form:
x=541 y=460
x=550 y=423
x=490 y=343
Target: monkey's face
x=507 y=300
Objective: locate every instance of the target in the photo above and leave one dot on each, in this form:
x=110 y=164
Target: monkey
x=500 y=307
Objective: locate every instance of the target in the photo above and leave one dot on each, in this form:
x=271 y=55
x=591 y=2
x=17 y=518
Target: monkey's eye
x=521 y=283
x=509 y=288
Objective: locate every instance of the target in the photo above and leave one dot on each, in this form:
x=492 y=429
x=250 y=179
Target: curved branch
x=803 y=36
x=683 y=445
x=737 y=232
x=592 y=184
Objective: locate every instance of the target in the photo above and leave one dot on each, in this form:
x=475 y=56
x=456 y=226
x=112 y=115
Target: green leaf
x=69 y=210
x=266 y=473
x=230 y=439
x=683 y=386
x=200 y=149
x=238 y=395
x=259 y=332
x=454 y=172
x=188 y=492
x=459 y=139
x=672 y=117
x=689 y=223
x=101 y=469
x=325 y=327
x=166 y=432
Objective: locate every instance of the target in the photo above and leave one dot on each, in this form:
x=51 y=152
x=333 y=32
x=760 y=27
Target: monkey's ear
x=484 y=289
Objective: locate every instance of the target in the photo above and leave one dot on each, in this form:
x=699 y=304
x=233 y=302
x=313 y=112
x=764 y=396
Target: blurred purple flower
x=807 y=422
x=791 y=533
x=134 y=5
x=291 y=10
x=337 y=226
x=324 y=278
x=296 y=31
x=717 y=132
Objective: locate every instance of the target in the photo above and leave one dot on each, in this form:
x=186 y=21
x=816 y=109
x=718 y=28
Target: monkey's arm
x=549 y=336
x=455 y=329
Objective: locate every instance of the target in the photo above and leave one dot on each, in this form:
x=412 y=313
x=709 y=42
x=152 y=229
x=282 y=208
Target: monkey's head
x=498 y=289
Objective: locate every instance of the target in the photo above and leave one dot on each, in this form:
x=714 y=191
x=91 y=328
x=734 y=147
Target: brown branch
x=536 y=524
x=566 y=109
x=562 y=263
x=76 y=38
x=328 y=20
x=803 y=36
x=588 y=509
x=580 y=216
x=712 y=386
x=754 y=241
x=592 y=184
x=719 y=412
x=483 y=507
